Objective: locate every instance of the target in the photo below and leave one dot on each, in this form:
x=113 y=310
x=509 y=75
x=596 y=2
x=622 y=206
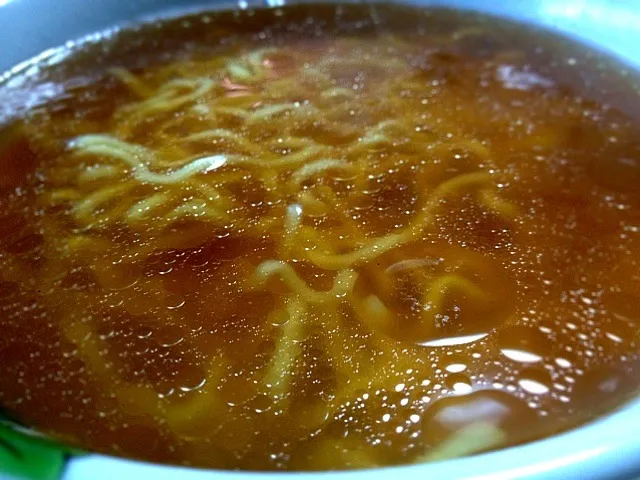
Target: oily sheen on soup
x=318 y=237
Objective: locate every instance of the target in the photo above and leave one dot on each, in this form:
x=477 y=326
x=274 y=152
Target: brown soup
x=318 y=237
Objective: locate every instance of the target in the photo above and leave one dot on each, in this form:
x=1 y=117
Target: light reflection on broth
x=312 y=238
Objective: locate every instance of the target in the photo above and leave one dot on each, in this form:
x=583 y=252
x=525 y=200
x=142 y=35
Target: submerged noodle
x=193 y=177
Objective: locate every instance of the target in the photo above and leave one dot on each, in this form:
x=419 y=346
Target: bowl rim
x=607 y=448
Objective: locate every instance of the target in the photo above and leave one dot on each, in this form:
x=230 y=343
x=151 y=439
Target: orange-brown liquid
x=150 y=337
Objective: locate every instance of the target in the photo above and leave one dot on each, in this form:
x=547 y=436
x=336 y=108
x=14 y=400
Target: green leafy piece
x=26 y=456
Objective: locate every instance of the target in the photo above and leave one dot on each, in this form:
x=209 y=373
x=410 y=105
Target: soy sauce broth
x=157 y=319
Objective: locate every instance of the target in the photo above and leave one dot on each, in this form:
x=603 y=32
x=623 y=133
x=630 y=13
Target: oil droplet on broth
x=143 y=332
x=459 y=384
x=535 y=381
x=454 y=341
x=533 y=386
x=119 y=276
x=524 y=344
x=169 y=335
x=521 y=356
x=174 y=301
x=278 y=317
x=196 y=384
x=563 y=362
x=456 y=367
x=261 y=403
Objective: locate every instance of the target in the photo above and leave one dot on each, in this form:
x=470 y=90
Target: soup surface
x=318 y=237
